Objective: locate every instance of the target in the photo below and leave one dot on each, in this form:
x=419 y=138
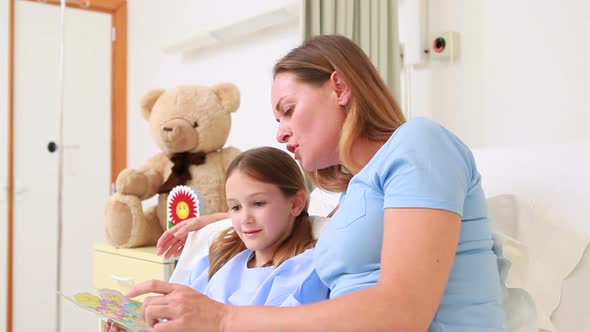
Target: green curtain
x=372 y=24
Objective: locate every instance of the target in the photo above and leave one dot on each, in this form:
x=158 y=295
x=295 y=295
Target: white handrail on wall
x=235 y=30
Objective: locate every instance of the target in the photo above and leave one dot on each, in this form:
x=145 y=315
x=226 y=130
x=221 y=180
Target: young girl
x=265 y=258
x=266 y=255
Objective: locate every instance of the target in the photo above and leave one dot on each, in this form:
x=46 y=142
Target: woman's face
x=310 y=120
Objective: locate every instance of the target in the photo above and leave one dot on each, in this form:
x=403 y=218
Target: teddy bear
x=190 y=125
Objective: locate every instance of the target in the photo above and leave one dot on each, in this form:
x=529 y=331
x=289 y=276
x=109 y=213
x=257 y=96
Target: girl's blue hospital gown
x=422 y=165
x=293 y=282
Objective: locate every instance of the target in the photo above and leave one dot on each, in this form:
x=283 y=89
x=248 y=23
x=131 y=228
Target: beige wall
x=247 y=63
x=523 y=75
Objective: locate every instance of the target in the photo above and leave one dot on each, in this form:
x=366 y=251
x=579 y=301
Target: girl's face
x=261 y=215
x=310 y=120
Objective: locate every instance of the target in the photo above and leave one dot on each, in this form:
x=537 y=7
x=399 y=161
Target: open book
x=113 y=306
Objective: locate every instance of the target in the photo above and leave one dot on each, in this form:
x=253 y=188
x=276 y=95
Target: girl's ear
x=341 y=88
x=299 y=202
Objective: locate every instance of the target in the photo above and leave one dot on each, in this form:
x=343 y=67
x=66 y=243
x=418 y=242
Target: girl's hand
x=179 y=308
x=112 y=327
x=172 y=241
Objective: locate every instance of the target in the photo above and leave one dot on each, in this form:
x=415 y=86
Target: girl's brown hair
x=273 y=166
x=373 y=113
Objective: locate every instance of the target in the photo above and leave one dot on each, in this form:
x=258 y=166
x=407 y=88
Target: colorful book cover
x=182 y=204
x=111 y=305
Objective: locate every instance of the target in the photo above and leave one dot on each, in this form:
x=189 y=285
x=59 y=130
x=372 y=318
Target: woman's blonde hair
x=276 y=167
x=373 y=113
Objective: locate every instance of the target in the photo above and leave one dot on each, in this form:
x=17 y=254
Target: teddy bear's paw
x=118 y=222
x=132 y=182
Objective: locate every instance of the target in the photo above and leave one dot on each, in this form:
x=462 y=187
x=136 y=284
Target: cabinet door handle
x=122 y=279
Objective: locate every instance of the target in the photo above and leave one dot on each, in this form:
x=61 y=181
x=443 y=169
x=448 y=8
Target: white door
x=86 y=148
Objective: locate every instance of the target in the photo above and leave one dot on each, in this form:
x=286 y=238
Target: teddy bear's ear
x=229 y=95
x=148 y=100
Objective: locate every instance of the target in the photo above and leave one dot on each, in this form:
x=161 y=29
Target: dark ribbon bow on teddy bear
x=180 y=173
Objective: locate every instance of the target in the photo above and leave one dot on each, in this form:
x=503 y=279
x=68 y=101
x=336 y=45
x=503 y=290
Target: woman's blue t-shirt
x=422 y=165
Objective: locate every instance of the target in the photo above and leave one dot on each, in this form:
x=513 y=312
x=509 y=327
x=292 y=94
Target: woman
x=409 y=248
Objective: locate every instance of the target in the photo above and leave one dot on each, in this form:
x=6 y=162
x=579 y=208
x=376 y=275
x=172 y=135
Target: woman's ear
x=299 y=202
x=341 y=88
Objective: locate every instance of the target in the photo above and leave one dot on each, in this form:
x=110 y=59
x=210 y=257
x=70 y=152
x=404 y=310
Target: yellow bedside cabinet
x=120 y=269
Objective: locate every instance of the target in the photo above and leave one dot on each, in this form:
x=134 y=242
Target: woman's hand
x=179 y=308
x=172 y=241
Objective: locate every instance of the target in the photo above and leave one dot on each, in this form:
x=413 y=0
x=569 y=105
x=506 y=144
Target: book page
x=112 y=306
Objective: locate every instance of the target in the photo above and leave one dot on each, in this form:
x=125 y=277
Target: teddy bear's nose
x=168 y=129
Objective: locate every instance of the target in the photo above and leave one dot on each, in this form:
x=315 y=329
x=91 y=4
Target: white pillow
x=321 y=203
x=541 y=255
x=572 y=312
